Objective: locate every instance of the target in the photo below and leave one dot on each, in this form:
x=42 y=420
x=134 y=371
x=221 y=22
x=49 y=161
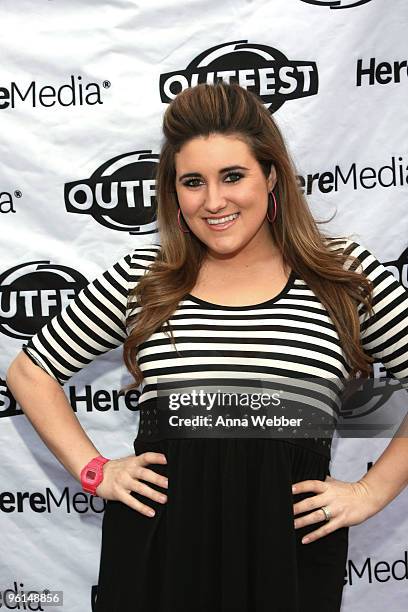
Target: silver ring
x=326 y=513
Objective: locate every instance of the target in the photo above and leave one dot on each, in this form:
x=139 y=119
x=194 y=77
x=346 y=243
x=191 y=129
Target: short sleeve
x=93 y=323
x=384 y=336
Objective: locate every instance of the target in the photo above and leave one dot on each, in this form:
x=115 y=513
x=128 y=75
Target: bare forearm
x=46 y=406
x=389 y=474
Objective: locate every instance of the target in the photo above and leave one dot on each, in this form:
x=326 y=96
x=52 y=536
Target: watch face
x=91 y=474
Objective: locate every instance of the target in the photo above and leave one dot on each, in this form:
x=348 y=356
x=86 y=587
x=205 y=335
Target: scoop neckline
x=272 y=300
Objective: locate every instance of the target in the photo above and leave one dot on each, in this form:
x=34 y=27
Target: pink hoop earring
x=179 y=223
x=274 y=205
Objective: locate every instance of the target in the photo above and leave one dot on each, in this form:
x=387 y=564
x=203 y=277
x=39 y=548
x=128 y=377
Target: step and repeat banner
x=83 y=87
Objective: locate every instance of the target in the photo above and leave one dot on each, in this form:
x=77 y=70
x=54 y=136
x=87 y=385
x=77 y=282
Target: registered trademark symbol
x=46 y=591
x=18 y=193
x=106 y=84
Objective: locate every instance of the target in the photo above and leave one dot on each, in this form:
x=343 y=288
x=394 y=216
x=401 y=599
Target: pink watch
x=92 y=474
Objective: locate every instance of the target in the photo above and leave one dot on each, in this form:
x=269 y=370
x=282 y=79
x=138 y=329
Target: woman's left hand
x=349 y=503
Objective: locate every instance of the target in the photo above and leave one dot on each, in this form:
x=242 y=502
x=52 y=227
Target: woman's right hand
x=122 y=476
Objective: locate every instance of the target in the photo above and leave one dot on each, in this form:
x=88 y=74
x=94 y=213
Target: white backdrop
x=83 y=86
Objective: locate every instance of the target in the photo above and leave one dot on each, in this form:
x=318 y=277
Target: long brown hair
x=230 y=109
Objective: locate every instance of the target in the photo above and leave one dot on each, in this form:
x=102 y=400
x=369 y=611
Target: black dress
x=225 y=539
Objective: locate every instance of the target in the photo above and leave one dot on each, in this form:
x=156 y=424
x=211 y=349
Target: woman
x=243 y=287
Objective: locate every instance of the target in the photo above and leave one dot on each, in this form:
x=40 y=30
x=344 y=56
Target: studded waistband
x=153 y=427
x=149 y=425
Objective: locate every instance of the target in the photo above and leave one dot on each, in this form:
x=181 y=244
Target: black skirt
x=224 y=541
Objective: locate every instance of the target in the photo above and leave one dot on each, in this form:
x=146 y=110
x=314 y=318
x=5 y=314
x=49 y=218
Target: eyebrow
x=227 y=169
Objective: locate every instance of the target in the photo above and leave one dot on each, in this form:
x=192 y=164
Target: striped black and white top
x=290 y=335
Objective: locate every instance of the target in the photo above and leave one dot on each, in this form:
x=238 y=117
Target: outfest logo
x=120 y=194
x=73 y=93
x=8 y=404
x=33 y=292
x=259 y=68
x=372 y=397
x=337 y=4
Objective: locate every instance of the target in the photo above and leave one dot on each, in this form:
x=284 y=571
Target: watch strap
x=92 y=474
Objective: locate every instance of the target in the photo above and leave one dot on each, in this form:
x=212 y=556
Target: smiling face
x=218 y=176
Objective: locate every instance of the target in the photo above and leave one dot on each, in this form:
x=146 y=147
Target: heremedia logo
x=7 y=201
x=85 y=400
x=337 y=4
x=74 y=93
x=372 y=570
x=33 y=292
x=49 y=500
x=256 y=67
x=392 y=174
x=17 y=598
x=381 y=73
x=120 y=194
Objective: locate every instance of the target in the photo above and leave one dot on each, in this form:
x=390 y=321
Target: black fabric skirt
x=224 y=541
